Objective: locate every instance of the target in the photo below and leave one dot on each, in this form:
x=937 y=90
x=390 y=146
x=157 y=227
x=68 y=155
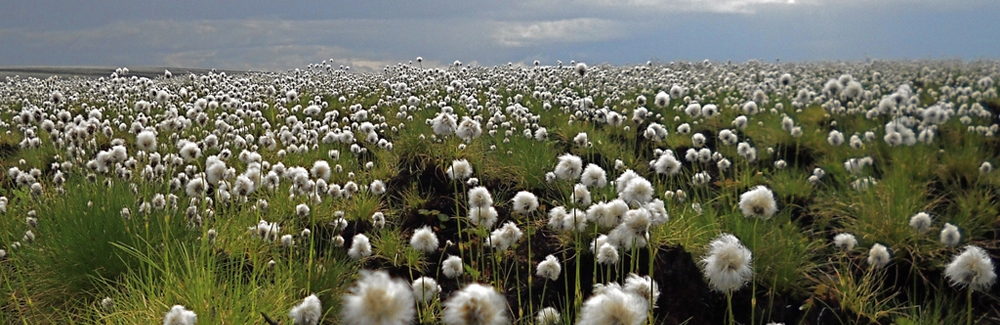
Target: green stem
x=753 y=276
x=531 y=307
x=968 y=306
x=729 y=307
x=458 y=221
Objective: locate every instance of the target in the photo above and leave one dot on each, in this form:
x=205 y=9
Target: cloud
x=259 y=44
x=275 y=58
x=578 y=30
x=650 y=8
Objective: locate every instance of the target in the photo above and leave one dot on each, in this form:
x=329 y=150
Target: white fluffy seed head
x=878 y=256
x=569 y=167
x=644 y=286
x=460 y=170
x=425 y=289
x=594 y=176
x=547 y=316
x=549 y=268
x=610 y=304
x=727 y=265
x=920 y=221
x=758 y=202
x=950 y=235
x=607 y=254
x=378 y=299
x=361 y=247
x=424 y=240
x=308 y=312
x=479 y=197
x=845 y=241
x=483 y=217
x=972 y=268
x=525 y=202
x=178 y=315
x=452 y=267
x=475 y=304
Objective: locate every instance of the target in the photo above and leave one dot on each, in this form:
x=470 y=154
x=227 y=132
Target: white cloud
x=559 y=31
x=659 y=7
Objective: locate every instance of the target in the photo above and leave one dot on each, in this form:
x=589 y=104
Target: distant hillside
x=97 y=72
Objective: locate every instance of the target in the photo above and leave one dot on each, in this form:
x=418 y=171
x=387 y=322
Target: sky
x=367 y=35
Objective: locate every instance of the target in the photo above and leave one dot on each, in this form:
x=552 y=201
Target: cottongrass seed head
x=525 y=202
x=607 y=254
x=549 y=268
x=610 y=304
x=475 y=304
x=920 y=221
x=569 y=167
x=308 y=312
x=479 y=197
x=452 y=267
x=425 y=289
x=644 y=286
x=950 y=235
x=878 y=256
x=758 y=202
x=178 y=315
x=727 y=265
x=424 y=240
x=845 y=241
x=459 y=170
x=972 y=268
x=378 y=299
x=594 y=176
x=361 y=247
x=547 y=316
x=483 y=217
x=505 y=237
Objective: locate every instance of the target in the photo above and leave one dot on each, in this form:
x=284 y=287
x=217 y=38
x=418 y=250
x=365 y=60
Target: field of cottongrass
x=680 y=193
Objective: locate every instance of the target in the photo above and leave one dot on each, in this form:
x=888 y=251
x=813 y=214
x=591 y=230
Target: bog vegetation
x=687 y=192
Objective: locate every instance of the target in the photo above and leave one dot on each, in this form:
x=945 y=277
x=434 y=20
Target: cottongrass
x=483 y=217
x=607 y=254
x=610 y=304
x=547 y=316
x=845 y=241
x=549 y=268
x=644 y=286
x=972 y=268
x=950 y=235
x=758 y=202
x=569 y=167
x=479 y=198
x=878 y=256
x=178 y=315
x=505 y=237
x=361 y=247
x=425 y=289
x=594 y=176
x=452 y=267
x=525 y=202
x=727 y=265
x=378 y=299
x=475 y=304
x=459 y=170
x=424 y=240
x=309 y=312
x=920 y=221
